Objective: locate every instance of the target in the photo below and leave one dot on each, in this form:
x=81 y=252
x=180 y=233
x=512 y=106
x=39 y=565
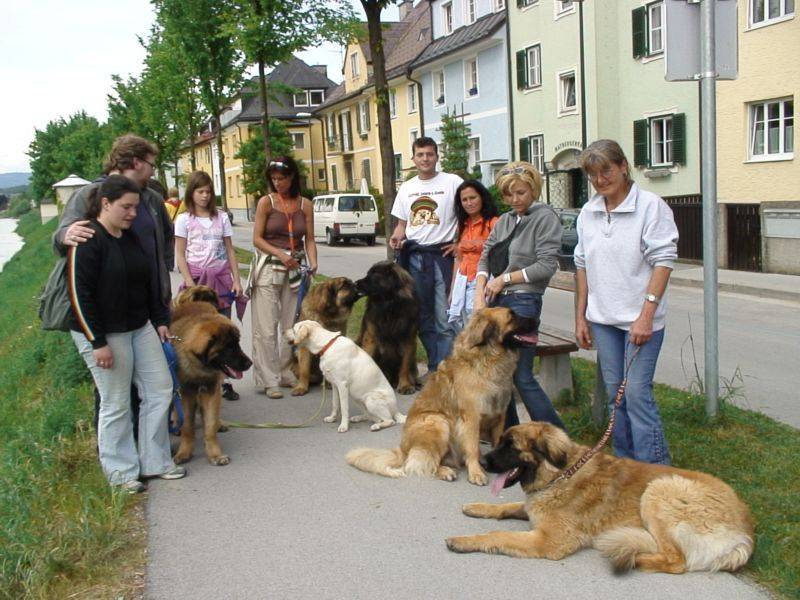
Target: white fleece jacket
x=619 y=250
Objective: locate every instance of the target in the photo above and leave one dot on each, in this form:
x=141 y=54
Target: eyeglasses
x=144 y=160
x=606 y=174
x=515 y=170
x=277 y=163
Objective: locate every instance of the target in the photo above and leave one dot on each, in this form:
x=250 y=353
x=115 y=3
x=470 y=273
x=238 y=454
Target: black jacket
x=98 y=287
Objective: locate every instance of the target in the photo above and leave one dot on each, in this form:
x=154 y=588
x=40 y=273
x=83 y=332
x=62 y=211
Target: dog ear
x=480 y=330
x=551 y=443
x=205 y=356
x=301 y=332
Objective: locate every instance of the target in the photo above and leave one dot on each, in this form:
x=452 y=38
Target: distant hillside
x=9 y=180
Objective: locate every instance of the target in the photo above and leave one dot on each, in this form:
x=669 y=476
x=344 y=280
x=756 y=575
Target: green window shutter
x=367 y=109
x=640 y=145
x=639 y=30
x=522 y=70
x=521 y=3
x=679 y=138
x=525 y=149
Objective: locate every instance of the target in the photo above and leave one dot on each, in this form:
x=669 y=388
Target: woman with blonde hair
x=518 y=283
x=627 y=242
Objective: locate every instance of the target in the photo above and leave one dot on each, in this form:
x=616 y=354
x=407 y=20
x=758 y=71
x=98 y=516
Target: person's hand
x=77 y=233
x=583 y=333
x=104 y=357
x=188 y=282
x=312 y=269
x=641 y=330
x=288 y=261
x=479 y=301
x=448 y=249
x=396 y=242
x=494 y=287
x=236 y=288
x=163 y=333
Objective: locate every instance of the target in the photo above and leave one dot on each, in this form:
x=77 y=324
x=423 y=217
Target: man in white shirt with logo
x=426 y=229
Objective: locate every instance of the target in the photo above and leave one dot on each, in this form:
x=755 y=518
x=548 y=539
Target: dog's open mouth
x=231 y=372
x=504 y=480
x=527 y=339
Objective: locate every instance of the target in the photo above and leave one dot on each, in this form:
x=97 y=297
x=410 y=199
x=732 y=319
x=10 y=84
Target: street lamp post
x=307 y=115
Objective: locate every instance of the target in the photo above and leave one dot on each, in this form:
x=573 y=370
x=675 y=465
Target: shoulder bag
x=498 y=254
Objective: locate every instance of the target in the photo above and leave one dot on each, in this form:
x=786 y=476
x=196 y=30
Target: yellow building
x=350 y=112
x=758 y=174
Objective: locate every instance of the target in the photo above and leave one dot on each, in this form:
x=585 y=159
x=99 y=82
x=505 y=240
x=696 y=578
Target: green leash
x=305 y=423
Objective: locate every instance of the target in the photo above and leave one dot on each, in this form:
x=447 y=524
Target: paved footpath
x=288 y=518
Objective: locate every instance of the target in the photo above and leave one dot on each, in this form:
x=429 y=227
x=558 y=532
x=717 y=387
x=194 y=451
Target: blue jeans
x=434 y=330
x=638 y=432
x=533 y=396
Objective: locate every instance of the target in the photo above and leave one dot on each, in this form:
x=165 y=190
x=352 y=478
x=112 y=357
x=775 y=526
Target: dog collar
x=328 y=345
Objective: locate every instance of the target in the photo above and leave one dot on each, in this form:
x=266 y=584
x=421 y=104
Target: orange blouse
x=470 y=245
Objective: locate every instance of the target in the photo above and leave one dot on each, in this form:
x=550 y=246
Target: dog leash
x=172 y=362
x=569 y=472
x=268 y=425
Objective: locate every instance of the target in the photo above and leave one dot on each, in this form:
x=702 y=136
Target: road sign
x=683 y=49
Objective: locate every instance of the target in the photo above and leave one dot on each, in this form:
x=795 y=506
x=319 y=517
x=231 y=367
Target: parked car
x=344 y=217
x=569 y=237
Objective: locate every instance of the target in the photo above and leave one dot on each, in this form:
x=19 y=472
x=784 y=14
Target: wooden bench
x=555 y=371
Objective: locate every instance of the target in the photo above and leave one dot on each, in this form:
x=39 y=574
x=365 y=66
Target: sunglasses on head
x=515 y=170
x=277 y=163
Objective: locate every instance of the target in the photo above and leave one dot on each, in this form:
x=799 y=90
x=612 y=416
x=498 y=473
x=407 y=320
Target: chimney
x=321 y=69
x=405 y=7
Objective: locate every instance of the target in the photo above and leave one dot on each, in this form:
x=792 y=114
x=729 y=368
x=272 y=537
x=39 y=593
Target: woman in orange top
x=477 y=214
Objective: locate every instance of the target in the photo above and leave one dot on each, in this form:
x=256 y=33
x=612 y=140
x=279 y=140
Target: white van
x=342 y=217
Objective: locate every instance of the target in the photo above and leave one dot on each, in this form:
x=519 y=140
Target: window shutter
x=640 y=145
x=525 y=149
x=521 y=3
x=522 y=71
x=639 y=30
x=679 y=138
x=366 y=114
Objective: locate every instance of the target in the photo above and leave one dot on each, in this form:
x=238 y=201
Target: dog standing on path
x=351 y=373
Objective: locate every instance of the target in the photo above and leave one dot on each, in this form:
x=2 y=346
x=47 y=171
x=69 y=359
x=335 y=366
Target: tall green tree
x=251 y=153
x=201 y=29
x=77 y=144
x=455 y=146
x=269 y=32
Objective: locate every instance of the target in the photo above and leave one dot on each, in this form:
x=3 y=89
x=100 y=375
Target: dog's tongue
x=528 y=338
x=498 y=483
x=233 y=372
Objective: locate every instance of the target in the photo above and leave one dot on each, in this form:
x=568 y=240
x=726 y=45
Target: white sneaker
x=134 y=486
x=176 y=473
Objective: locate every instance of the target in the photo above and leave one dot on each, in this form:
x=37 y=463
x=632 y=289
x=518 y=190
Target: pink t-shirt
x=205 y=238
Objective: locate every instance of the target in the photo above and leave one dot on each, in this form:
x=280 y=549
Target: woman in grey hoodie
x=532 y=261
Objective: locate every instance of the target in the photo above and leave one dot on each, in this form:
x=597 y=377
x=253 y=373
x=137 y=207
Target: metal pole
x=708 y=143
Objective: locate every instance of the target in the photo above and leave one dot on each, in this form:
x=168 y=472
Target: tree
x=76 y=145
x=200 y=28
x=373 y=9
x=269 y=32
x=455 y=147
x=251 y=153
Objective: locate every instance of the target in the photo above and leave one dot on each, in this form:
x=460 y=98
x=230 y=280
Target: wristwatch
x=652 y=298
x=506 y=278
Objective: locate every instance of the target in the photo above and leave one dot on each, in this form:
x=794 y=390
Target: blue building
x=464 y=71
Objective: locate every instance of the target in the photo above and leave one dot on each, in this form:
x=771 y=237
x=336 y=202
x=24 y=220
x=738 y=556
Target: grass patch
x=62 y=528
x=243 y=256
x=754 y=454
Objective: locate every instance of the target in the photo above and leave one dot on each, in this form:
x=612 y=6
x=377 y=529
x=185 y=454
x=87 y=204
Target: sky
x=58 y=58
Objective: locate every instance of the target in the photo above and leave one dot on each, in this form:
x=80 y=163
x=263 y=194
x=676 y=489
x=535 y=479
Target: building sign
x=567 y=144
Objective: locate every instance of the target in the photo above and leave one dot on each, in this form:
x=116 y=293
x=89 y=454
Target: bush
x=19 y=206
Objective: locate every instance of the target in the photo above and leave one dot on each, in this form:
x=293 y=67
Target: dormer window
x=317 y=97
x=301 y=98
x=354 y=64
x=447 y=18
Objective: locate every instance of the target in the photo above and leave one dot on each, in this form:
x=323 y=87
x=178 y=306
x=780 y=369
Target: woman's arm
x=583 y=333
x=234 y=264
x=180 y=258
x=262 y=212
x=310 y=242
x=84 y=269
x=642 y=328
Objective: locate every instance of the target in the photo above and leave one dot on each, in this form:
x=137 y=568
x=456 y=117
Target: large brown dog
x=330 y=304
x=389 y=327
x=208 y=350
x=653 y=517
x=467 y=395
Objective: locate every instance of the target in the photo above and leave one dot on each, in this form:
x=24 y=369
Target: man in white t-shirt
x=426 y=230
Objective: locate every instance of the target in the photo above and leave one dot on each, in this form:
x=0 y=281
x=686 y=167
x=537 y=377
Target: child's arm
x=234 y=263
x=180 y=258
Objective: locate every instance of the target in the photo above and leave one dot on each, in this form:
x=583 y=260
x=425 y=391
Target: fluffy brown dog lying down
x=652 y=517
x=467 y=395
x=208 y=349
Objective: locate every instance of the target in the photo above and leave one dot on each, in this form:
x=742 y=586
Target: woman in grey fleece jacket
x=532 y=260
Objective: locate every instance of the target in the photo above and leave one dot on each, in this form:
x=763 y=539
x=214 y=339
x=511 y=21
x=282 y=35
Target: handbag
x=55 y=310
x=256 y=264
x=498 y=254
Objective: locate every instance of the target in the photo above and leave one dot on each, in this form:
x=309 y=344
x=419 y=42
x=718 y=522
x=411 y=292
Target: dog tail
x=388 y=463
x=421 y=463
x=723 y=549
x=621 y=545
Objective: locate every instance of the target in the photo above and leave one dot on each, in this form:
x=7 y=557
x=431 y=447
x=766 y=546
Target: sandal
x=273 y=392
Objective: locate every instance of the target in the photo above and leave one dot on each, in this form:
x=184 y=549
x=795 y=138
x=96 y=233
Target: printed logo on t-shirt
x=423 y=212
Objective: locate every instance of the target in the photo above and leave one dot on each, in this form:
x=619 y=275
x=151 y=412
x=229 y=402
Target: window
x=321 y=174
x=772 y=130
x=366 y=172
x=564 y=6
x=398 y=167
x=298 y=139
x=413 y=135
x=345 y=131
x=474 y=153
x=531 y=149
x=471 y=77
x=470 y=10
x=525 y=3
x=438 y=88
x=499 y=5
x=354 y=64
x=334 y=178
x=447 y=17
x=412 y=98
x=529 y=67
x=317 y=97
x=331 y=129
x=660 y=141
x=301 y=98
x=567 y=102
x=392 y=103
x=764 y=11
x=647 y=30
x=363 y=117
x=348 y=174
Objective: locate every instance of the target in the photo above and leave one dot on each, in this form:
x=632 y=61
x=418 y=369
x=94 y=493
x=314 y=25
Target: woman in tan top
x=280 y=238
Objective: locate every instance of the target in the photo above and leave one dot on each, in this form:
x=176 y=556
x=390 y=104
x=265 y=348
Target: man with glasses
x=426 y=229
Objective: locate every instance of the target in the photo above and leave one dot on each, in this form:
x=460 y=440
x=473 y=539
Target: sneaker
x=177 y=473
x=229 y=393
x=134 y=486
x=273 y=392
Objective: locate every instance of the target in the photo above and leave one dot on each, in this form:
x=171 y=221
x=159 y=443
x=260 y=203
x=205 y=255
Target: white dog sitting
x=352 y=374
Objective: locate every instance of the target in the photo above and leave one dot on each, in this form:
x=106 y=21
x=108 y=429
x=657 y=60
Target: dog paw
x=400 y=418
x=299 y=390
x=330 y=419
x=343 y=428
x=478 y=478
x=460 y=544
x=358 y=418
x=474 y=509
x=381 y=425
x=222 y=428
x=219 y=461
x=182 y=457
x=406 y=390
x=446 y=473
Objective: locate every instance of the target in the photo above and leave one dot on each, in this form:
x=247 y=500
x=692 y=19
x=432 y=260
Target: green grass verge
x=62 y=529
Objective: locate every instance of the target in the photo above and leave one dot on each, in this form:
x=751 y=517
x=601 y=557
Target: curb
x=738 y=288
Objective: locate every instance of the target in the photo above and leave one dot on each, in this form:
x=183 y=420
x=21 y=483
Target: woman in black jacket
x=118 y=319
